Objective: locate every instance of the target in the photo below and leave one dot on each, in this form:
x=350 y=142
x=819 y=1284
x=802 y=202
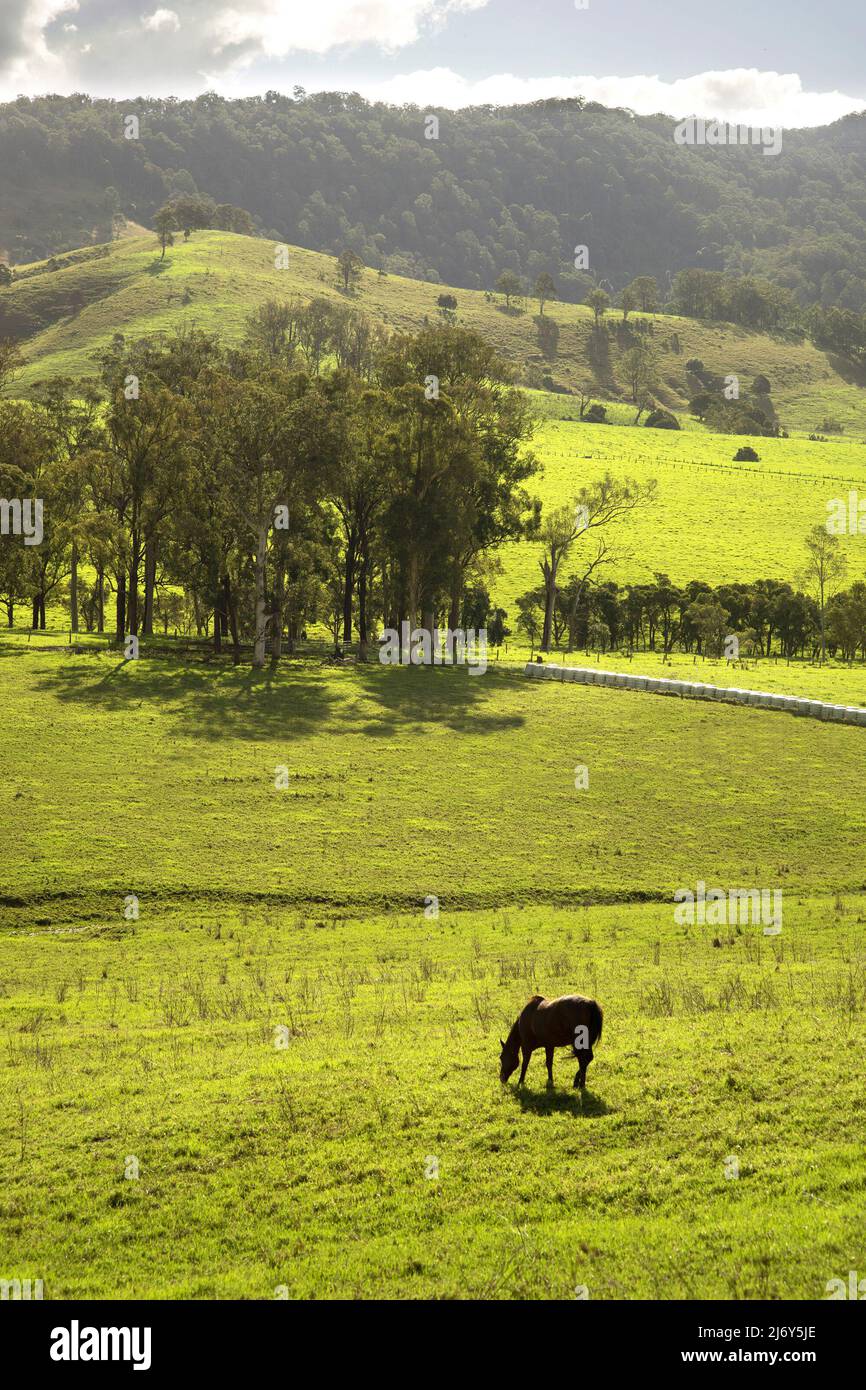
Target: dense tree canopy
x=501 y=189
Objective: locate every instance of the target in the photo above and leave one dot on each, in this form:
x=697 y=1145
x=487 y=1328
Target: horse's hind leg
x=548 y=1052
x=583 y=1061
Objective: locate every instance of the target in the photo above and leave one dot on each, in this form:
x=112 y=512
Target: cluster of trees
x=766 y=616
x=749 y=300
x=839 y=330
x=728 y=406
x=189 y=212
x=322 y=471
x=501 y=189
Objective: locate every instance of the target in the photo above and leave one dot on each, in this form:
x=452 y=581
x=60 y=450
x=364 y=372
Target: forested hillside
x=498 y=189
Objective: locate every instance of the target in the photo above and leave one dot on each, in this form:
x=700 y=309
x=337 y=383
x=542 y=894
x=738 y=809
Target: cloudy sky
x=787 y=62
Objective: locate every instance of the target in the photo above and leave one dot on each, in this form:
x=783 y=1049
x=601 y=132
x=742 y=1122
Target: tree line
x=760 y=618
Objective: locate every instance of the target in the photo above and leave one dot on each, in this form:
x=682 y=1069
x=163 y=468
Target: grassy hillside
x=217 y=278
x=712 y=519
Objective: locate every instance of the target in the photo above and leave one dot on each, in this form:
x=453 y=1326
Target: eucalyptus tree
x=71 y=412
x=825 y=567
x=35 y=505
x=457 y=440
x=594 y=509
x=148 y=436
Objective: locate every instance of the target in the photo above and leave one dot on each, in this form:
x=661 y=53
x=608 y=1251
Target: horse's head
x=508 y=1059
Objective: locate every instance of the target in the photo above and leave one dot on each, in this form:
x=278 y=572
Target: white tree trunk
x=261 y=615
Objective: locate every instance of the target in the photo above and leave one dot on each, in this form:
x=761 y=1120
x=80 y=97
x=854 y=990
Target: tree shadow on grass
x=444 y=695
x=582 y=1104
x=284 y=702
x=234 y=702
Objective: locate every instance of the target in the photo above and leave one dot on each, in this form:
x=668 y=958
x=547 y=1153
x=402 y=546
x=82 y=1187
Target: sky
x=780 y=62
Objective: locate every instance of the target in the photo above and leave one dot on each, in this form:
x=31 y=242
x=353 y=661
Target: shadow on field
x=584 y=1104
x=436 y=695
x=232 y=702
x=290 y=700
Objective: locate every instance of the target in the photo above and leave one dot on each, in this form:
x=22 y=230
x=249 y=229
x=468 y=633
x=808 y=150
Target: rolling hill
x=62 y=310
x=495 y=188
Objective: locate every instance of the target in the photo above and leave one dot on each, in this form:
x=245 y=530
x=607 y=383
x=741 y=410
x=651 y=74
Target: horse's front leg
x=548 y=1053
x=527 y=1053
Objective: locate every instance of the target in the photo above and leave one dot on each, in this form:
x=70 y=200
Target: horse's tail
x=596 y=1017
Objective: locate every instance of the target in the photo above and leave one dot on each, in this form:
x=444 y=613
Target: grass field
x=712 y=519
x=302 y=1166
x=158 y=778
x=210 y=1104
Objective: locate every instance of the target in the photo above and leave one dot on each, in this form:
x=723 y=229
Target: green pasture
x=157 y=778
x=214 y=1102
x=280 y=1077
x=711 y=519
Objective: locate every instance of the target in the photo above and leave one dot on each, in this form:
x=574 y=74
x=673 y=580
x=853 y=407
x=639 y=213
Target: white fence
x=696 y=690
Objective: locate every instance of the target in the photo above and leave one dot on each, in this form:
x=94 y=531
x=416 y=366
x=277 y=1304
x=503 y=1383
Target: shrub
x=746 y=455
x=659 y=419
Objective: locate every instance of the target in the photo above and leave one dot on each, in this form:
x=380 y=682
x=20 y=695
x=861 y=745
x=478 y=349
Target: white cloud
x=161 y=21
x=279 y=27
x=230 y=47
x=35 y=68
x=740 y=94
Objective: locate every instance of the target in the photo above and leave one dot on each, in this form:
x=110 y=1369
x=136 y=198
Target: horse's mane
x=513 y=1039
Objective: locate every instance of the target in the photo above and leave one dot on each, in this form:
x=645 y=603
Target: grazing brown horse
x=570 y=1021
